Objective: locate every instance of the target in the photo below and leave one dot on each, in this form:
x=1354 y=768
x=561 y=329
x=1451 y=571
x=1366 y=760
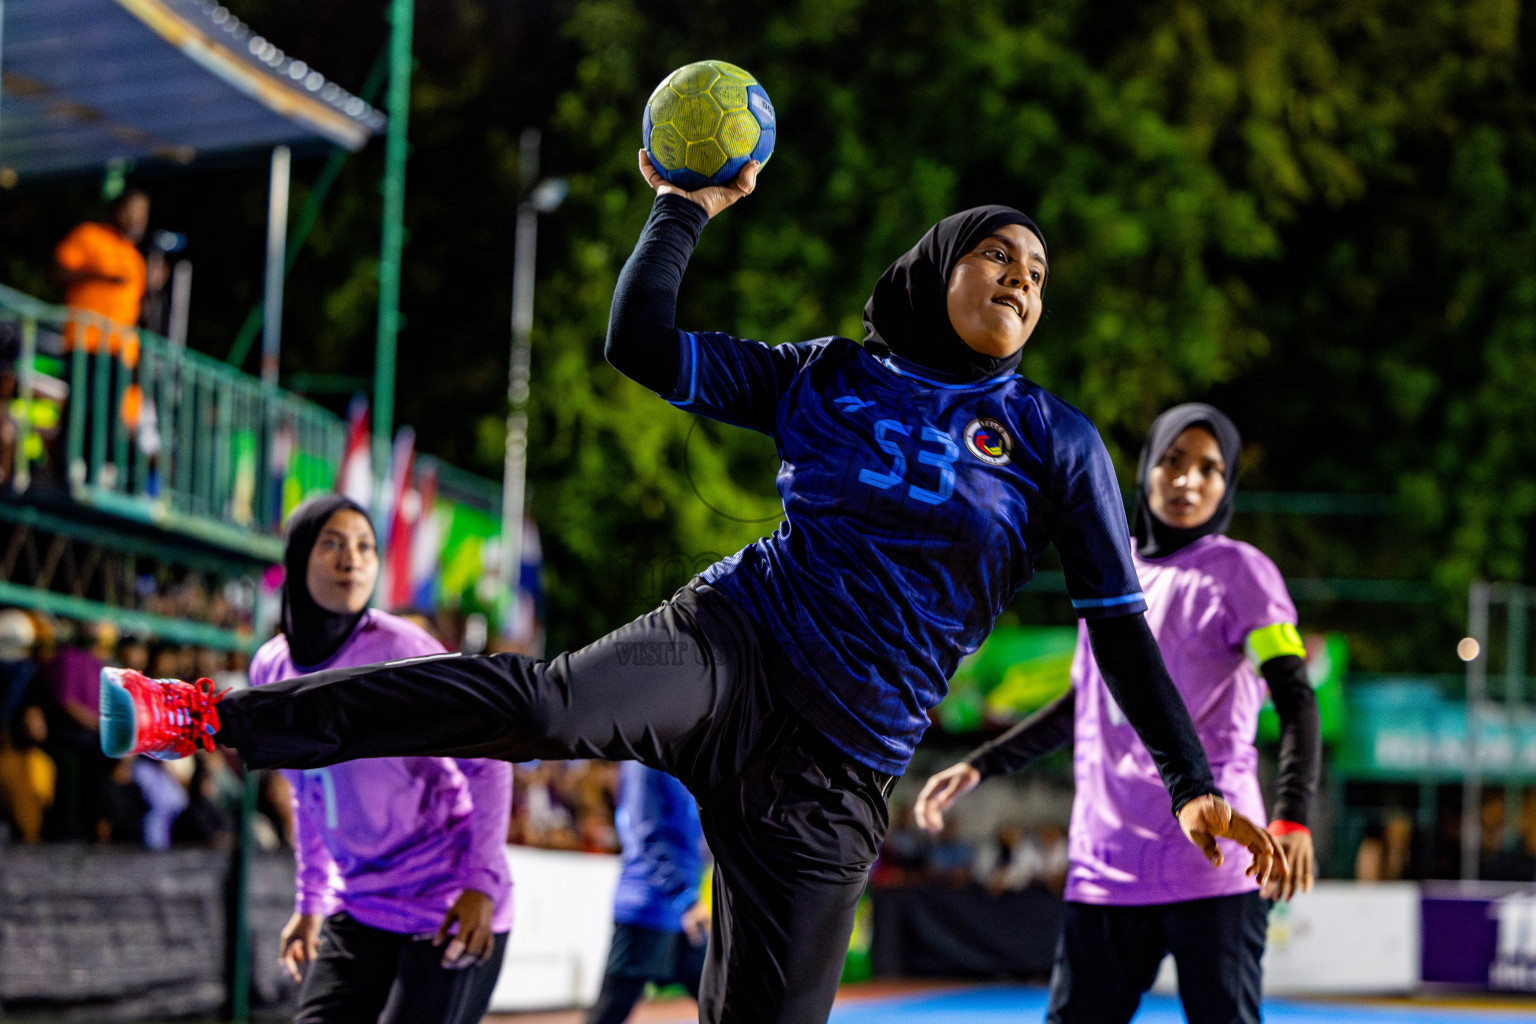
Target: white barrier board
x=1341 y=938
x=562 y=906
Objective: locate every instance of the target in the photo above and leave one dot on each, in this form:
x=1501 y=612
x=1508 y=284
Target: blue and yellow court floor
x=915 y=1003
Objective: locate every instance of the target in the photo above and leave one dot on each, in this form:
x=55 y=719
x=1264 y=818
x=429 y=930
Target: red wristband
x=1285 y=828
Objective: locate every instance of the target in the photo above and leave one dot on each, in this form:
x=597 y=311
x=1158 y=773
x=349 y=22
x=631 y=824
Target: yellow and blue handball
x=704 y=122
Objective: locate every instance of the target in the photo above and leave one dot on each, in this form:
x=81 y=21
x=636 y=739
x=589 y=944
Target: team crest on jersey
x=988 y=441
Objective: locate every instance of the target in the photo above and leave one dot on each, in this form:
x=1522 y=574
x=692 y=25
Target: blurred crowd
x=56 y=786
x=1011 y=858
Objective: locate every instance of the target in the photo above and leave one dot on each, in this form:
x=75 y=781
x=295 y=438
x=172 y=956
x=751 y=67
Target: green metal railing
x=148 y=430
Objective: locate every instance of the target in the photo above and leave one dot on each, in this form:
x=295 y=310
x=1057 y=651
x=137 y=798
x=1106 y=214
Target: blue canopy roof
x=84 y=82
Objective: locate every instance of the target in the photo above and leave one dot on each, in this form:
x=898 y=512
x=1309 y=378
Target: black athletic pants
x=639 y=955
x=1109 y=956
x=794 y=824
x=364 y=975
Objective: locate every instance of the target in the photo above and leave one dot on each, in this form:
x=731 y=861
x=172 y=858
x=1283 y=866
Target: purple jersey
x=1126 y=849
x=393 y=841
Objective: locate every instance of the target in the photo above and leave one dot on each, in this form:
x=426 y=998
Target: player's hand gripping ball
x=704 y=122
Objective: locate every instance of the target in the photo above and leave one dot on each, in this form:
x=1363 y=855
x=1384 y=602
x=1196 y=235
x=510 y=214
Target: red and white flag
x=404 y=510
x=356 y=478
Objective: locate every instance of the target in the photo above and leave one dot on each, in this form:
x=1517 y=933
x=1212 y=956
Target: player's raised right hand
x=300 y=942
x=713 y=198
x=942 y=790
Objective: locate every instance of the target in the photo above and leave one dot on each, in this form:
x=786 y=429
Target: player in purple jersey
x=786 y=687
x=390 y=855
x=1135 y=890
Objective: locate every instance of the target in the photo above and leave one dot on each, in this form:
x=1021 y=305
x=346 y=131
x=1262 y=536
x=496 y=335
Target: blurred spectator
x=1009 y=862
x=539 y=818
x=273 y=824
x=71 y=682
x=27 y=775
x=1384 y=854
x=165 y=797
x=951 y=857
x=565 y=805
x=1054 y=858
x=209 y=818
x=123 y=806
x=18 y=638
x=904 y=857
x=103 y=273
x=133 y=652
x=165 y=662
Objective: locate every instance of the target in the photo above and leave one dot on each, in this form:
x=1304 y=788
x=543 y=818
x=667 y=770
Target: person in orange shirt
x=103 y=272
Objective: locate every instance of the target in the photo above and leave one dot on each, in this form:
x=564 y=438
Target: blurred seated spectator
x=123 y=807
x=71 y=685
x=273 y=824
x=904 y=856
x=1009 y=862
x=18 y=639
x=539 y=818
x=165 y=798
x=1385 y=852
x=27 y=775
x=950 y=858
x=236 y=673
x=1054 y=856
x=565 y=805
x=166 y=662
x=133 y=652
x=209 y=817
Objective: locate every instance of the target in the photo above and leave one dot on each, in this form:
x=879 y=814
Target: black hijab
x=1155 y=538
x=313 y=633
x=907 y=313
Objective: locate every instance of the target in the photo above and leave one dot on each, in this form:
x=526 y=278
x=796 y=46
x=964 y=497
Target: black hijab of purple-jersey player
x=314 y=634
x=907 y=313
x=1155 y=538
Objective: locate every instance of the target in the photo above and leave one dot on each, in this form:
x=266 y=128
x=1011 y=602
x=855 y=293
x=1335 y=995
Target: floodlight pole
x=402 y=16
x=1477 y=690
x=277 y=247
x=515 y=468
x=538 y=197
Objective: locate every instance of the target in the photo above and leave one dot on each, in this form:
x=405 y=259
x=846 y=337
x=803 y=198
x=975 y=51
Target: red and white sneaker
x=164 y=718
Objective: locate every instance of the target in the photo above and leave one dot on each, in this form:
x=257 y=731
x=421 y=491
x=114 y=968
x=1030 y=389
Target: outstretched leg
x=647 y=691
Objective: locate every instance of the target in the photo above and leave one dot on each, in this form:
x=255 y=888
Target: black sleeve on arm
x=642 y=332
x=1046 y=730
x=1133 y=669
x=1301 y=742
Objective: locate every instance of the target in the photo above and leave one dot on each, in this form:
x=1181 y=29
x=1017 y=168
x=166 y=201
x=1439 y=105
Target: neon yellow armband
x=1273 y=641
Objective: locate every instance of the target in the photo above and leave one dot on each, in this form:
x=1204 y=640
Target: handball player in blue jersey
x=922 y=479
x=660 y=924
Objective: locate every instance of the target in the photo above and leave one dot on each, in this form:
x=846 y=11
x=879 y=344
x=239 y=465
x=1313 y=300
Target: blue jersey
x=913 y=511
x=663 y=849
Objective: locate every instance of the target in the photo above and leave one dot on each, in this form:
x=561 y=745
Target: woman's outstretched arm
x=643 y=342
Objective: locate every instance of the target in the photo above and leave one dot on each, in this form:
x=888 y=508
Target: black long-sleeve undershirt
x=1301 y=731
x=642 y=333
x=1043 y=732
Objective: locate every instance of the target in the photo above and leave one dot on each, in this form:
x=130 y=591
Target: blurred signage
x=1481 y=935
x=1342 y=938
